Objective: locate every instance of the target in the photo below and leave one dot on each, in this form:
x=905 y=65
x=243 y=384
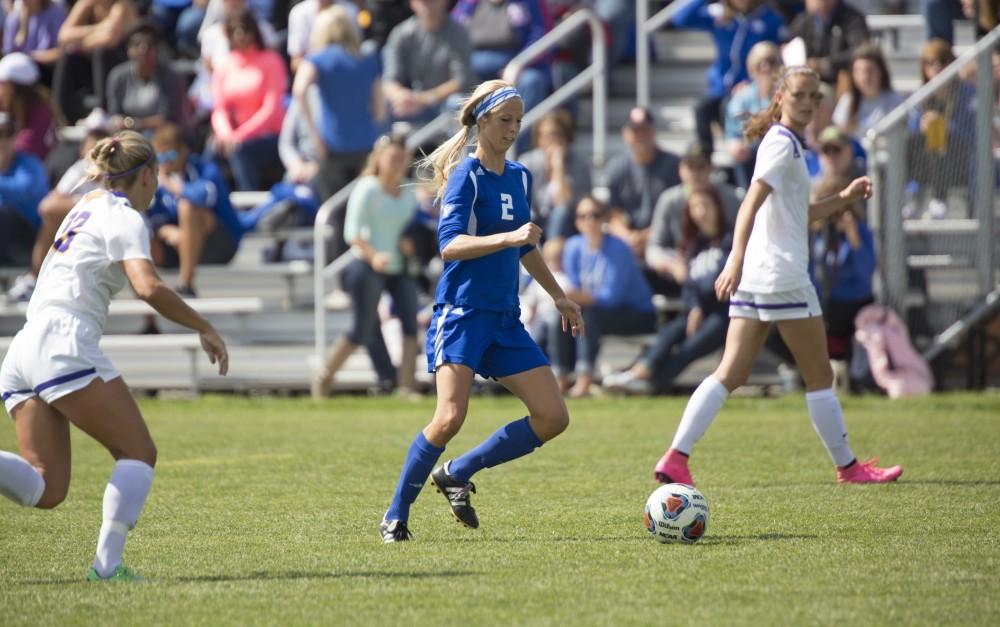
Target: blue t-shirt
x=23 y=186
x=345 y=87
x=203 y=187
x=480 y=202
x=612 y=274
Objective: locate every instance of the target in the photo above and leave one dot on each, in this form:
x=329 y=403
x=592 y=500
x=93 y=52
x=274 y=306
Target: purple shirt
x=43 y=30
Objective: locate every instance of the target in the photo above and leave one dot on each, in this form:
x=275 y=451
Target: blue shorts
x=492 y=343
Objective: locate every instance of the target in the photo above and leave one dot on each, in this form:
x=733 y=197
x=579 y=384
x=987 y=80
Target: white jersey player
x=766 y=280
x=55 y=373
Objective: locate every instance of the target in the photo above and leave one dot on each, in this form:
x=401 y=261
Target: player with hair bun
x=485 y=230
x=766 y=279
x=55 y=374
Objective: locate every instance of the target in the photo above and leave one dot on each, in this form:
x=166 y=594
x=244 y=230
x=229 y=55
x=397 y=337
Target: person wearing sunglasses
x=838 y=156
x=191 y=218
x=606 y=280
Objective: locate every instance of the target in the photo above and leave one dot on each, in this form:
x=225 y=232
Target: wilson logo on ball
x=674 y=505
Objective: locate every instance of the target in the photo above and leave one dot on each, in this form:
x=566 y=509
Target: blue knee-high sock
x=511 y=441
x=420 y=460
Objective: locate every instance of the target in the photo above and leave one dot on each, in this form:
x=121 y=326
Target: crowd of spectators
x=290 y=98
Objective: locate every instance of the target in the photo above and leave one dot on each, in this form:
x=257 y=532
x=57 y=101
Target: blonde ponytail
x=117 y=161
x=443 y=161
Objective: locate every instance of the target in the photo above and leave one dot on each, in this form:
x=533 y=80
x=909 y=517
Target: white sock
x=828 y=420
x=701 y=410
x=19 y=481
x=123 y=500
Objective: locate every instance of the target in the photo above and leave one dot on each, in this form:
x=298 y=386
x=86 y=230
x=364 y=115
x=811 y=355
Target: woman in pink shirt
x=248 y=90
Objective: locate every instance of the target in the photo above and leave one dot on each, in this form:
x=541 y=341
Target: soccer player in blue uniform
x=485 y=230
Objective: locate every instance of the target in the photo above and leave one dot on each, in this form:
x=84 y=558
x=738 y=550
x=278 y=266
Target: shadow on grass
x=280 y=576
x=360 y=574
x=764 y=537
x=969 y=482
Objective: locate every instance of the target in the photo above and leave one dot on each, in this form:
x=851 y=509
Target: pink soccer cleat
x=868 y=472
x=673 y=468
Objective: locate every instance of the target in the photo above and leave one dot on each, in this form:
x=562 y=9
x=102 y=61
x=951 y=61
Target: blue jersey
x=479 y=202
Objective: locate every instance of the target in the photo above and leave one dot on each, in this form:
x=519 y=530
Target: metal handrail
x=322 y=271
x=595 y=74
x=886 y=141
x=645 y=26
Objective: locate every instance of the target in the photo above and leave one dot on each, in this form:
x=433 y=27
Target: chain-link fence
x=936 y=199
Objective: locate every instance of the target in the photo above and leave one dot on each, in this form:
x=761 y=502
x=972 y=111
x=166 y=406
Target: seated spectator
x=870 y=96
x=663 y=253
x=33 y=28
x=381 y=206
x=763 y=63
x=606 y=280
x=701 y=327
x=27 y=103
x=248 y=90
x=736 y=26
x=839 y=155
x=53 y=209
x=942 y=137
x=345 y=131
x=498 y=31
x=426 y=62
x=91 y=39
x=830 y=30
x=561 y=177
x=22 y=186
x=637 y=178
x=843 y=264
x=191 y=218
x=300 y=25
x=143 y=93
x=215 y=44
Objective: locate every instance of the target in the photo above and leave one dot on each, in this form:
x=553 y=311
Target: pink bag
x=895 y=364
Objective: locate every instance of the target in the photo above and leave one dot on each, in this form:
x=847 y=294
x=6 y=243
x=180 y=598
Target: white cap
x=18 y=67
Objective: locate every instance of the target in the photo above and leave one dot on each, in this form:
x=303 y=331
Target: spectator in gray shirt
x=637 y=178
x=666 y=233
x=426 y=61
x=143 y=94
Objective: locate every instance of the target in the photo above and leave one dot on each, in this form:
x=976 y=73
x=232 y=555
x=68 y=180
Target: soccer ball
x=676 y=512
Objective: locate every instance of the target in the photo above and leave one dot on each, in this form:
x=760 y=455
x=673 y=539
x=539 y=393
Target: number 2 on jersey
x=506 y=205
x=73 y=224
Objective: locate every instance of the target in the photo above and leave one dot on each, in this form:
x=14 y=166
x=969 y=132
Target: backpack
x=895 y=364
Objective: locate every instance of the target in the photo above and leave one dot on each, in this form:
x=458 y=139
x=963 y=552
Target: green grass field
x=266 y=511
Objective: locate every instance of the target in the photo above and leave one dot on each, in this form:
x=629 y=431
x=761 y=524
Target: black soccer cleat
x=457 y=494
x=394 y=531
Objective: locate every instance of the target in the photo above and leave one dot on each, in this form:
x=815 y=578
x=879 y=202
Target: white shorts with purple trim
x=51 y=358
x=790 y=305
